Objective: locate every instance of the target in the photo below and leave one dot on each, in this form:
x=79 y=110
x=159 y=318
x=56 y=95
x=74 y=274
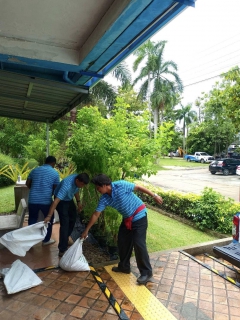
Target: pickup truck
x=202 y=157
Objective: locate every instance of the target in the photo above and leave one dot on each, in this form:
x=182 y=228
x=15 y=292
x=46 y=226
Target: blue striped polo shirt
x=42 y=180
x=123 y=200
x=67 y=188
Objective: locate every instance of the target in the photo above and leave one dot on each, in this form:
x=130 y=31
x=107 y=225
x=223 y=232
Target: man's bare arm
x=93 y=219
x=155 y=196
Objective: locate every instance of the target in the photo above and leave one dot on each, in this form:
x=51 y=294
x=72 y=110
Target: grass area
x=7 y=202
x=178 y=162
x=165 y=233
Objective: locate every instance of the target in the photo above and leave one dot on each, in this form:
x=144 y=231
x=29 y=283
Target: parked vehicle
x=202 y=157
x=225 y=166
x=173 y=154
x=232 y=151
x=238 y=170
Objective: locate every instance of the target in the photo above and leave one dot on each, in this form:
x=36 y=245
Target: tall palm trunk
x=149 y=105
x=161 y=108
x=184 y=140
x=155 y=117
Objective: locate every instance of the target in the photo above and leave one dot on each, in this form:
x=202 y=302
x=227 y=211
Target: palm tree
x=146 y=51
x=188 y=116
x=123 y=74
x=104 y=94
x=166 y=82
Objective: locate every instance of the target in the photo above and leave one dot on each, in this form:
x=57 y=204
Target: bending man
x=133 y=229
x=63 y=202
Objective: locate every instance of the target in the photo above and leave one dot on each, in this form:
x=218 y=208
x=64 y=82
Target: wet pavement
x=184 y=287
x=193 y=180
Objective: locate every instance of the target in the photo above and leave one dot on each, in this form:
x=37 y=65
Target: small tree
x=165 y=137
x=36 y=146
x=118 y=146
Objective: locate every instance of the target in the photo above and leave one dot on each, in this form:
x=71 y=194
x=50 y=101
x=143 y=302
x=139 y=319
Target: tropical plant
x=104 y=94
x=66 y=170
x=13 y=171
x=187 y=116
x=122 y=73
x=166 y=82
x=146 y=52
x=5 y=160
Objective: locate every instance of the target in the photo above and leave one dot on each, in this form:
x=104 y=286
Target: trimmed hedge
x=210 y=210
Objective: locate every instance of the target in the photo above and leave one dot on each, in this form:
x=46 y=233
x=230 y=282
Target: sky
x=204 y=42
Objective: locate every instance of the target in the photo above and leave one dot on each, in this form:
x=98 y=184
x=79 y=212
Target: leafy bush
x=210 y=210
x=113 y=220
x=213 y=211
x=5 y=160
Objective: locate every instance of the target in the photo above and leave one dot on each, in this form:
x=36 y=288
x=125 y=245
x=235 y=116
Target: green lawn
x=7 y=202
x=178 y=162
x=166 y=233
x=163 y=232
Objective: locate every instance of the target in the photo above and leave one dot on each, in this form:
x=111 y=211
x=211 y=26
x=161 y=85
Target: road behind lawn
x=195 y=180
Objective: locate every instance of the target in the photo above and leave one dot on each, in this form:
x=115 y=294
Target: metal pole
x=47 y=138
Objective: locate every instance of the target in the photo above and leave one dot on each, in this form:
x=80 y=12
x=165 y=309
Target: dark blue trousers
x=33 y=210
x=67 y=216
x=134 y=239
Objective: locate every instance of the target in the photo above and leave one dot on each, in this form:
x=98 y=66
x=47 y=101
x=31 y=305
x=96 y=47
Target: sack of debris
x=19 y=277
x=21 y=240
x=73 y=259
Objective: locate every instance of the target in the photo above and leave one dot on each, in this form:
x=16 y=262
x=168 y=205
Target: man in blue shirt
x=42 y=181
x=133 y=229
x=63 y=202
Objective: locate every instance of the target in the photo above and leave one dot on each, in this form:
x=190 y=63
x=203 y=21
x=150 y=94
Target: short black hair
x=50 y=159
x=101 y=180
x=83 y=177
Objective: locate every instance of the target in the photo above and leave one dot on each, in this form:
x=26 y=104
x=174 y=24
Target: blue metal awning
x=74 y=45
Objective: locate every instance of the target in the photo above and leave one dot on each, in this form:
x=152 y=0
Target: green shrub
x=113 y=220
x=210 y=210
x=213 y=211
x=5 y=160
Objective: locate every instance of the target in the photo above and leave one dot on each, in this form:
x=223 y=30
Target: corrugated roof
x=52 y=52
x=36 y=99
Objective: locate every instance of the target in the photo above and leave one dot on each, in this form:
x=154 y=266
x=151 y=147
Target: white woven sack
x=21 y=240
x=73 y=259
x=20 y=277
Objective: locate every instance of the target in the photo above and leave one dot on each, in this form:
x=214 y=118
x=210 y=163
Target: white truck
x=202 y=157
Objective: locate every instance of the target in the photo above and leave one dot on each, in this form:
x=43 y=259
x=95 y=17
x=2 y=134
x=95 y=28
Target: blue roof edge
x=147 y=33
